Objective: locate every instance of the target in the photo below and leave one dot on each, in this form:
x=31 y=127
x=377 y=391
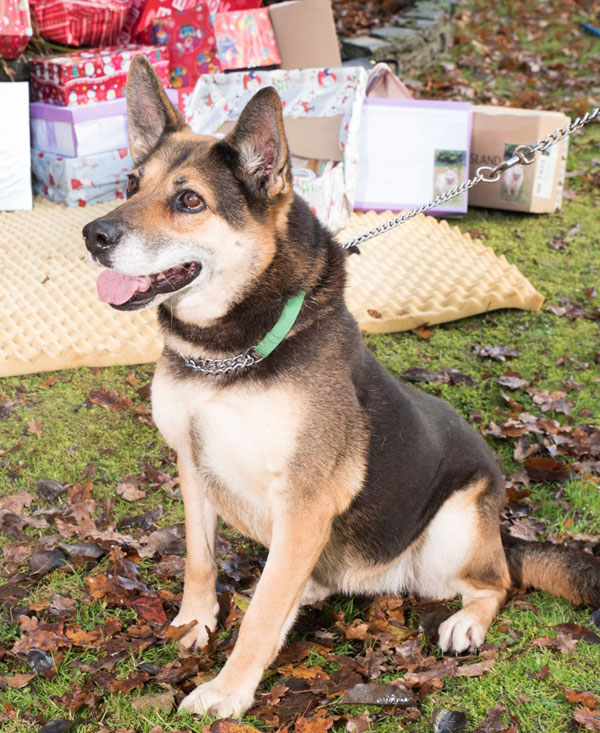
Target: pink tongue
x=116 y=288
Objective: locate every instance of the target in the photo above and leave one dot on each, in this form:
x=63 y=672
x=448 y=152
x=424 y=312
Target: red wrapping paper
x=96 y=75
x=245 y=39
x=15 y=27
x=190 y=38
x=158 y=10
x=81 y=22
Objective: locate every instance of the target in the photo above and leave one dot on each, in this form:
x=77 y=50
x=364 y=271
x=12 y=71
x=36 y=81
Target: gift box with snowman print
x=94 y=75
x=80 y=181
x=321 y=114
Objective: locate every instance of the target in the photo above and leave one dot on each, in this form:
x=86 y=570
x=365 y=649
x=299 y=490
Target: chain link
x=522 y=155
x=222 y=366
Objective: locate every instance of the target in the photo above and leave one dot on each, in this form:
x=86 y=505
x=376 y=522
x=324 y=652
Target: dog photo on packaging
x=285 y=425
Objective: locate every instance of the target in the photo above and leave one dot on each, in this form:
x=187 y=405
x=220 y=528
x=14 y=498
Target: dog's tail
x=571 y=574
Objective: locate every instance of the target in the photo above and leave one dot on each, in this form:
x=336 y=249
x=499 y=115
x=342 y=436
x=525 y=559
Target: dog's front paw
x=212 y=698
x=462 y=631
x=197 y=636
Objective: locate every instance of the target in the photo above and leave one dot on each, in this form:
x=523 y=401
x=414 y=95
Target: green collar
x=257 y=353
x=283 y=326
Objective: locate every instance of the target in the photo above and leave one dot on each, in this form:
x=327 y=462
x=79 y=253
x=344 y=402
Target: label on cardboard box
x=535 y=188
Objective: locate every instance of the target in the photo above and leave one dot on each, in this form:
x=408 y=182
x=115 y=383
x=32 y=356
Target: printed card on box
x=411 y=151
x=245 y=39
x=91 y=76
x=190 y=38
x=15 y=27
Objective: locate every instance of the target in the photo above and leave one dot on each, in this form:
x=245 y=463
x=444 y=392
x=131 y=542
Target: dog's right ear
x=150 y=114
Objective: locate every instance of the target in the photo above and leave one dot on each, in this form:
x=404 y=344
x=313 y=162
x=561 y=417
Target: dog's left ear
x=263 y=160
x=150 y=114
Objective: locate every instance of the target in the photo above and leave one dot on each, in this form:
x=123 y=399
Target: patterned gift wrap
x=245 y=39
x=152 y=10
x=15 y=27
x=81 y=22
x=190 y=38
x=96 y=75
x=81 y=181
x=220 y=98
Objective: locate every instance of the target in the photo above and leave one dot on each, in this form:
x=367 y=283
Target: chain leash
x=523 y=155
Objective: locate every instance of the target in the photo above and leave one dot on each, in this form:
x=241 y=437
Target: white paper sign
x=15 y=161
x=411 y=151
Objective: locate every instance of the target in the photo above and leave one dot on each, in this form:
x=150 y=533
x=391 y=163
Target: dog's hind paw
x=462 y=631
x=210 y=698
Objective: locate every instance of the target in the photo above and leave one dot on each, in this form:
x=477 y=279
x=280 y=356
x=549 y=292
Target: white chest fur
x=244 y=436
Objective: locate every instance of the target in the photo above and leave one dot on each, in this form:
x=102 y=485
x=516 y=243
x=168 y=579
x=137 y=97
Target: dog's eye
x=191 y=201
x=133 y=183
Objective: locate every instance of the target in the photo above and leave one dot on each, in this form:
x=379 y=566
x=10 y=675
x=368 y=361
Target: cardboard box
x=305 y=34
x=81 y=181
x=535 y=188
x=321 y=117
x=15 y=171
x=95 y=75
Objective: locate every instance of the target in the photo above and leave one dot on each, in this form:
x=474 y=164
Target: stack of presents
x=353 y=139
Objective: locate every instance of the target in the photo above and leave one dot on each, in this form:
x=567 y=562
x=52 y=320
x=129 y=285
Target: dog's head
x=202 y=215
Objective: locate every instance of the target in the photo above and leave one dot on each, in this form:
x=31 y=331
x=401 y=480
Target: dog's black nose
x=101 y=234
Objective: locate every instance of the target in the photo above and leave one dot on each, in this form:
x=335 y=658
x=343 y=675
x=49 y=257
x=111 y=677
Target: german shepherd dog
x=357 y=483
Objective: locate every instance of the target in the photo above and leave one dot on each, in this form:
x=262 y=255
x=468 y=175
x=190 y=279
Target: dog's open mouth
x=127 y=292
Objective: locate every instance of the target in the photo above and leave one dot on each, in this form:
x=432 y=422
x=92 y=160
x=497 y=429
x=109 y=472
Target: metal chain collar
x=523 y=155
x=222 y=366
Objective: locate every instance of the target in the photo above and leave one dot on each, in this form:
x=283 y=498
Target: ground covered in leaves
x=91 y=535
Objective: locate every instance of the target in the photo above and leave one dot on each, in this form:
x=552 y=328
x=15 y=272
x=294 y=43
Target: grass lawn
x=49 y=428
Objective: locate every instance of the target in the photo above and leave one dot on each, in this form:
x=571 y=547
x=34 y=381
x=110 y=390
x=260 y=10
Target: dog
x=357 y=483
x=445 y=180
x=513 y=180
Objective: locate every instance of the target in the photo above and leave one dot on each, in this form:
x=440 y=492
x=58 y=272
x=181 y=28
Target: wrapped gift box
x=322 y=109
x=245 y=39
x=81 y=181
x=88 y=130
x=225 y=6
x=15 y=27
x=96 y=75
x=190 y=38
x=81 y=22
x=152 y=10
x=15 y=171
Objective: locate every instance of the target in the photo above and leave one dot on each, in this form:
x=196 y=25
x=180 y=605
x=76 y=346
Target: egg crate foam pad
x=424 y=272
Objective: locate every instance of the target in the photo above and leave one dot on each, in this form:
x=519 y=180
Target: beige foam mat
x=51 y=316
x=427 y=272
x=423 y=272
